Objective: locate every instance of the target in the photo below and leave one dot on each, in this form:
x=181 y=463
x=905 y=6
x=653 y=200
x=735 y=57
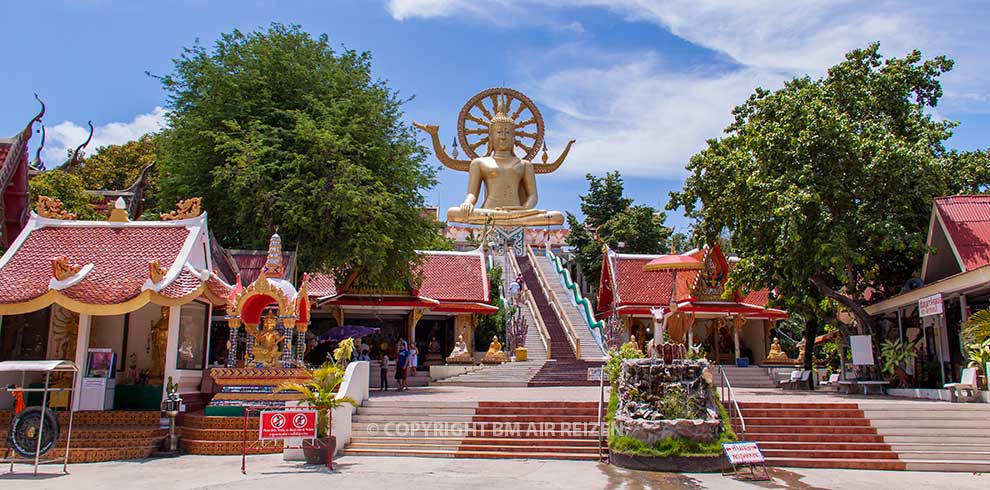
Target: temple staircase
x=563 y=368
x=746 y=377
x=485 y=429
x=202 y=434
x=103 y=435
x=871 y=435
x=591 y=347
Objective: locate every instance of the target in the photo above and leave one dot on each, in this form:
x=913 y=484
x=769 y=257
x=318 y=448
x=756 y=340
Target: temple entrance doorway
x=434 y=339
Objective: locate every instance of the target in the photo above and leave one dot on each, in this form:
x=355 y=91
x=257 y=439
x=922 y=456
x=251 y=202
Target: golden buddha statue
x=509 y=181
x=460 y=354
x=157 y=343
x=775 y=353
x=495 y=354
x=266 y=349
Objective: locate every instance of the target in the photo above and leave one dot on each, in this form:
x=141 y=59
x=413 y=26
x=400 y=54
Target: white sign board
x=930 y=305
x=596 y=374
x=862 y=349
x=742 y=453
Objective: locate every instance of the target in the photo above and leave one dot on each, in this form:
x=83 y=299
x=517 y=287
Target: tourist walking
x=384 y=372
x=401 y=366
x=413 y=359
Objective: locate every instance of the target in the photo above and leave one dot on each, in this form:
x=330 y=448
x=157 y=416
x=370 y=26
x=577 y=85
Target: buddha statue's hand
x=467 y=208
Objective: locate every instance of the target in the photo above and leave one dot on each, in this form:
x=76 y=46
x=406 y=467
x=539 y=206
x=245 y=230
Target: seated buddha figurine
x=266 y=350
x=776 y=354
x=510 y=182
x=460 y=354
x=495 y=354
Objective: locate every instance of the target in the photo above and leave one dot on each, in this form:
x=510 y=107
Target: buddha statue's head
x=270 y=321
x=502 y=129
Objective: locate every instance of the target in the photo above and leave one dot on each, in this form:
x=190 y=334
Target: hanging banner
x=930 y=305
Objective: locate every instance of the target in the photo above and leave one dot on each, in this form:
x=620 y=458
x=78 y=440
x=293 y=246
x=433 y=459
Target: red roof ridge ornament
x=274 y=268
x=50 y=207
x=185 y=209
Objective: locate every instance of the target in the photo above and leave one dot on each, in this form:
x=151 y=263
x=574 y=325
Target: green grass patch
x=672 y=447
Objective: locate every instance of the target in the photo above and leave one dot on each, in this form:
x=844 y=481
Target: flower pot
x=521 y=353
x=315 y=451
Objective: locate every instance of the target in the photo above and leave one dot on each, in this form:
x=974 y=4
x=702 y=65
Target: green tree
x=117 y=167
x=276 y=129
x=67 y=188
x=611 y=217
x=826 y=185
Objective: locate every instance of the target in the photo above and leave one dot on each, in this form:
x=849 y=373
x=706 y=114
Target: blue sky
x=639 y=84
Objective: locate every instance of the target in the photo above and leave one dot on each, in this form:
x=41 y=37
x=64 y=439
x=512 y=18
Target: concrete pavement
x=366 y=473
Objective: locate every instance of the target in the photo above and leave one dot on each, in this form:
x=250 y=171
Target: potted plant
x=516 y=332
x=897 y=354
x=979 y=356
x=320 y=392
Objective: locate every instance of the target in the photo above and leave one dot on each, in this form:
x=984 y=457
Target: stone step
x=762 y=437
x=934 y=432
x=430 y=411
x=471 y=454
x=964 y=424
x=927 y=464
x=799 y=413
x=194 y=446
x=513 y=433
x=798 y=405
x=783 y=421
x=825 y=446
x=828 y=454
x=506 y=448
x=851 y=463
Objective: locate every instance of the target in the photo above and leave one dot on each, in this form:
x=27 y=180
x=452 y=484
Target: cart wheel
x=23 y=434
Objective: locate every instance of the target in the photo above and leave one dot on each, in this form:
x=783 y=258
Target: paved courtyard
x=359 y=473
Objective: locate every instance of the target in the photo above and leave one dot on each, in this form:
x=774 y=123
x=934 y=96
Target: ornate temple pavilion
x=443 y=300
x=142 y=290
x=686 y=294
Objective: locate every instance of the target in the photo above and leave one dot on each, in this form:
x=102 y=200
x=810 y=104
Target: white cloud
x=636 y=118
x=67 y=135
x=644 y=117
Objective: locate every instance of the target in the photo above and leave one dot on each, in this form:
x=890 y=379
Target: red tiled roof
x=446 y=277
x=249 y=263
x=185 y=284
x=967 y=221
x=453 y=276
x=120 y=256
x=219 y=288
x=758 y=298
x=4 y=150
x=322 y=285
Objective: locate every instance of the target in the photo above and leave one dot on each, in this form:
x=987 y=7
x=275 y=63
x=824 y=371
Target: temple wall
x=752 y=336
x=137 y=337
x=107 y=332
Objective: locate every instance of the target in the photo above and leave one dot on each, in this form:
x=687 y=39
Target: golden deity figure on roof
x=503 y=119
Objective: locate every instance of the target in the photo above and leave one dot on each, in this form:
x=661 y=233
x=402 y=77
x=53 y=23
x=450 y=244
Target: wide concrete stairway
x=202 y=434
x=563 y=368
x=817 y=435
x=885 y=434
x=591 y=349
x=485 y=429
x=934 y=436
x=747 y=377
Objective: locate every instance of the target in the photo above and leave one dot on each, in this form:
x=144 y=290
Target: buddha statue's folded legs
x=506 y=217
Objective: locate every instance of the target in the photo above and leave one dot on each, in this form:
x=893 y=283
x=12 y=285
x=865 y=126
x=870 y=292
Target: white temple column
x=735 y=339
x=172 y=347
x=82 y=344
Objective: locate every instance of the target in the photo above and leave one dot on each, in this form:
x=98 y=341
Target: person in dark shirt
x=401 y=365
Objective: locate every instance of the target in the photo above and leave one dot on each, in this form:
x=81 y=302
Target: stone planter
x=675 y=464
x=521 y=353
x=315 y=451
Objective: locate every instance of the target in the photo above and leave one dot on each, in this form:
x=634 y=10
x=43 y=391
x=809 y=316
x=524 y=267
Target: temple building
x=136 y=293
x=685 y=296
x=954 y=281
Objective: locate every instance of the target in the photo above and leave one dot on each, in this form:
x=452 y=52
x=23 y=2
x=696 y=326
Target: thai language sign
x=930 y=305
x=742 y=453
x=284 y=424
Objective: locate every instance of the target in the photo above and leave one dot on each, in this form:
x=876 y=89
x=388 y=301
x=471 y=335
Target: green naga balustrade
x=584 y=306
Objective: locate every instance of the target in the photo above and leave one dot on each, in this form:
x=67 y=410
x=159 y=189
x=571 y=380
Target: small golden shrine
x=275 y=316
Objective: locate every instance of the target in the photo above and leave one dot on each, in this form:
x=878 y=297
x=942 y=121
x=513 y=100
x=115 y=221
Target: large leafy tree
x=277 y=129
x=117 y=167
x=826 y=184
x=67 y=188
x=610 y=217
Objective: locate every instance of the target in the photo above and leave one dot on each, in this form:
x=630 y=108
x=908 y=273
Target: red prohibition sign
x=300 y=420
x=278 y=421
